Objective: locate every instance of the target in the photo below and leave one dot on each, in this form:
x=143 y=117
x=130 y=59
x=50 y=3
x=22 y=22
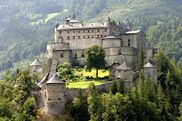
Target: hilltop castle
x=121 y=45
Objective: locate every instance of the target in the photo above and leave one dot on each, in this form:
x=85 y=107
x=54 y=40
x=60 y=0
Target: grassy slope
x=83 y=82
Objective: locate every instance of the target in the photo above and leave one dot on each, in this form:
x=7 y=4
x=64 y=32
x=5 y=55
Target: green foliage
x=114 y=88
x=16 y=103
x=95 y=58
x=79 y=110
x=65 y=71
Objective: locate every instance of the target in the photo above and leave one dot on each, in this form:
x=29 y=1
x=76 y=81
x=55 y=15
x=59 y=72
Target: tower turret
x=125 y=72
x=55 y=95
x=150 y=71
x=36 y=67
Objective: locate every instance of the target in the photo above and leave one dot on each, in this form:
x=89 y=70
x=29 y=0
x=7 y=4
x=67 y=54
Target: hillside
x=26 y=26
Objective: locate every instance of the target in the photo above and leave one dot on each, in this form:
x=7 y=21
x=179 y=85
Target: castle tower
x=124 y=72
x=36 y=67
x=55 y=95
x=150 y=71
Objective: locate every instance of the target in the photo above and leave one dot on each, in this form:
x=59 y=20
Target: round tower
x=124 y=72
x=150 y=71
x=55 y=95
x=36 y=67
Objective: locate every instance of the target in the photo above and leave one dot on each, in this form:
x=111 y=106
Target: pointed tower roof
x=36 y=62
x=55 y=80
x=123 y=66
x=149 y=65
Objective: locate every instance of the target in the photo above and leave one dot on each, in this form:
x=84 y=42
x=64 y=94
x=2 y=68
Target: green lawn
x=102 y=73
x=83 y=84
x=45 y=20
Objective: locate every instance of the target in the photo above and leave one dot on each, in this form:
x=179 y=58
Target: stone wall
x=72 y=93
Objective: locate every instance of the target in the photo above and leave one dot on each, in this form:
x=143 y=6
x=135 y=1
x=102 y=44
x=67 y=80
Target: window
x=68 y=37
x=68 y=32
x=49 y=99
x=101 y=36
x=78 y=31
x=62 y=55
x=105 y=30
x=92 y=36
x=84 y=37
x=78 y=37
x=74 y=37
x=92 y=30
x=98 y=30
x=75 y=56
x=119 y=52
x=73 y=31
x=60 y=32
x=82 y=54
x=98 y=36
x=59 y=98
x=88 y=36
x=129 y=42
x=88 y=31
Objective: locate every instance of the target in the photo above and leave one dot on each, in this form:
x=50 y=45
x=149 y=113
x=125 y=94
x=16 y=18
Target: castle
x=121 y=45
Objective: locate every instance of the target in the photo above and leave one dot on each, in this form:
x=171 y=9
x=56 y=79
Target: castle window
x=98 y=36
x=92 y=36
x=68 y=37
x=119 y=52
x=82 y=55
x=105 y=30
x=62 y=55
x=92 y=30
x=74 y=37
x=101 y=36
x=84 y=37
x=60 y=32
x=78 y=37
x=88 y=36
x=73 y=31
x=68 y=32
x=78 y=31
x=75 y=56
x=129 y=42
x=59 y=98
x=98 y=30
x=88 y=31
x=49 y=99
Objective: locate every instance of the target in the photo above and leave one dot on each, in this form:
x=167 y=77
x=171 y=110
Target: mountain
x=27 y=26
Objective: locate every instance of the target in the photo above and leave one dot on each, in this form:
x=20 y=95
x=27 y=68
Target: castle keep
x=73 y=37
x=121 y=45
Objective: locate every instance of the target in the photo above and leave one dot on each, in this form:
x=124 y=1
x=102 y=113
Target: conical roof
x=123 y=66
x=36 y=63
x=148 y=65
x=55 y=80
